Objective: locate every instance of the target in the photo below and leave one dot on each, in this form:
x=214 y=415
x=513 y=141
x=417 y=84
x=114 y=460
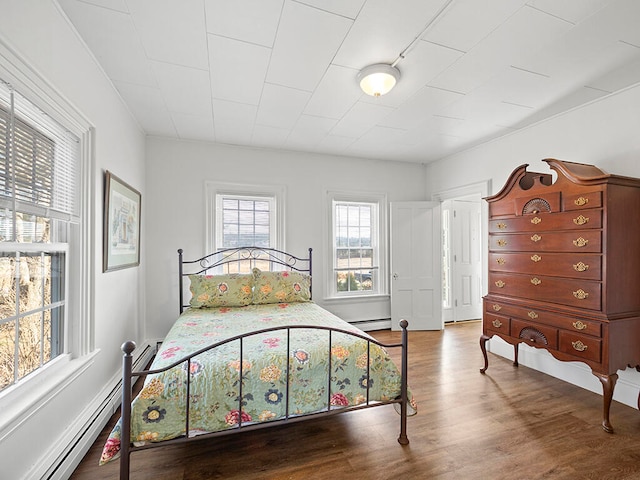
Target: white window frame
x=274 y=194
x=37 y=387
x=379 y=241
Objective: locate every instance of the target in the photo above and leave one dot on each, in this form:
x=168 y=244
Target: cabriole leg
x=483 y=347
x=608 y=384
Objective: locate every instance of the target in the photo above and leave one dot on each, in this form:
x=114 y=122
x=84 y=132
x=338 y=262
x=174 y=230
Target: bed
x=249 y=350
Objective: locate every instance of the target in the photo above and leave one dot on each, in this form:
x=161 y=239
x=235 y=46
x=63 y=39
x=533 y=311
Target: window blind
x=39 y=168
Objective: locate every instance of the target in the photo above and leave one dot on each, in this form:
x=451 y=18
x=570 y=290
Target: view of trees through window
x=38 y=203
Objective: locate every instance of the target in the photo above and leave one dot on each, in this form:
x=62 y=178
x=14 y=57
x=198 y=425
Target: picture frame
x=121 y=229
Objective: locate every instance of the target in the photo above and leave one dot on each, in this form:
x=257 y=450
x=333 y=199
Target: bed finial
x=128 y=347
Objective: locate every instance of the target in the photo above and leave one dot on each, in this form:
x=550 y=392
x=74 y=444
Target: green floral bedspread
x=219 y=399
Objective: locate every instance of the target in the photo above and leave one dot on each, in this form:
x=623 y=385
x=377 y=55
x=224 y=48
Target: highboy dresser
x=564 y=268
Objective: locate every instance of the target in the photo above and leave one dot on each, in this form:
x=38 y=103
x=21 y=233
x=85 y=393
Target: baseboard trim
x=576 y=373
x=370 y=325
x=60 y=462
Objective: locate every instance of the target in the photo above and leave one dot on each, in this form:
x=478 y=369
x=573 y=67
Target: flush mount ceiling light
x=378 y=79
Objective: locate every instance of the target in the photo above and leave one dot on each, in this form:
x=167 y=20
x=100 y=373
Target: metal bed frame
x=251 y=255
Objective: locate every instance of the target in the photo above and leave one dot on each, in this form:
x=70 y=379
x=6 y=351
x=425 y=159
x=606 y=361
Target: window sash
x=356 y=253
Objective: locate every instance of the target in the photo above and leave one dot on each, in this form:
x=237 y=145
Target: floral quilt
x=227 y=390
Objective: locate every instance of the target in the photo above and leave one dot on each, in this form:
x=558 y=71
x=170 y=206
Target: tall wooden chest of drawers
x=564 y=268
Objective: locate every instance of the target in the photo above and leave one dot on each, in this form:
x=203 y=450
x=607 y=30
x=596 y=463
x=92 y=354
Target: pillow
x=281 y=287
x=230 y=290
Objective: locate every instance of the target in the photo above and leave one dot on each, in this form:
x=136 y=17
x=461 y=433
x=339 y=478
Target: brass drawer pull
x=496 y=307
x=536 y=258
x=536 y=281
x=536 y=238
x=581 y=267
x=500 y=284
x=496 y=323
x=502 y=226
x=581 y=201
x=581 y=220
x=502 y=242
x=580 y=294
x=578 y=325
x=580 y=242
x=500 y=261
x=536 y=220
x=579 y=346
x=532 y=315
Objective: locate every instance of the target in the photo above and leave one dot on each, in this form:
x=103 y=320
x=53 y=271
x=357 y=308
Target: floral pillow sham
x=230 y=290
x=280 y=287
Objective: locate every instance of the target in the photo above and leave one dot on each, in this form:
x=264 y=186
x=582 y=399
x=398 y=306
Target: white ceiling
x=282 y=73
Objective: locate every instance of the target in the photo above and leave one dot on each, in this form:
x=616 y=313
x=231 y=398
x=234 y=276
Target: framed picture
x=121 y=242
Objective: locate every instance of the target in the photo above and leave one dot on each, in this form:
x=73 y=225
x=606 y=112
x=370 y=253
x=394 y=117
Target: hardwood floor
x=512 y=423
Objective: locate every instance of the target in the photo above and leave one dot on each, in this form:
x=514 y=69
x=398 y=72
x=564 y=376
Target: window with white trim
x=40 y=237
x=244 y=216
x=357 y=245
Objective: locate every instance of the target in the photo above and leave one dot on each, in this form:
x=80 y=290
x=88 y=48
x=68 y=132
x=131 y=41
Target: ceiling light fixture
x=378 y=79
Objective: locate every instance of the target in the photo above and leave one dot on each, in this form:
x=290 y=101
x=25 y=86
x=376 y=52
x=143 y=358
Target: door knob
x=395 y=276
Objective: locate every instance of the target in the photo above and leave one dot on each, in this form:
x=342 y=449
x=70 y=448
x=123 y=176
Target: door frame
x=480 y=188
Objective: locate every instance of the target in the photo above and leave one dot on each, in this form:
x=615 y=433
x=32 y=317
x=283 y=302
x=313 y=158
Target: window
x=358 y=251
x=244 y=216
x=245 y=221
x=39 y=236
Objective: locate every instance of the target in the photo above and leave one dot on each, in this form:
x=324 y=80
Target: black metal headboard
x=240 y=260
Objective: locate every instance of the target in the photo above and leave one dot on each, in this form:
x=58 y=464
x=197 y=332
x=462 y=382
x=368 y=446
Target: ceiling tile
x=420 y=108
x=573 y=11
x=336 y=93
x=267 y=136
x=194 y=127
x=516 y=37
x=309 y=131
x=233 y=121
x=149 y=108
x=280 y=106
x=346 y=8
x=306 y=42
x=253 y=21
x=184 y=89
x=383 y=29
x=113 y=39
x=465 y=24
x=361 y=118
x=238 y=69
x=172 y=31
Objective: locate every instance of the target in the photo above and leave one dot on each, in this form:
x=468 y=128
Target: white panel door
x=467 y=263
x=416 y=272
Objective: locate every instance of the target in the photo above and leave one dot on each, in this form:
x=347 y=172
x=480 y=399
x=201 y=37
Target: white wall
x=175 y=207
x=38 y=33
x=603 y=133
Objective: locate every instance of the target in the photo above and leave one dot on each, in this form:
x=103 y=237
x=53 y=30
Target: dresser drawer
x=548 y=222
x=572 y=265
x=575 y=293
x=589 y=241
x=583 y=200
x=572 y=324
x=496 y=323
x=535 y=334
x=581 y=346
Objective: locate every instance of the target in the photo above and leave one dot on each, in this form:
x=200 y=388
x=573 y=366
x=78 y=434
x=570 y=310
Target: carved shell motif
x=536 y=205
x=533 y=335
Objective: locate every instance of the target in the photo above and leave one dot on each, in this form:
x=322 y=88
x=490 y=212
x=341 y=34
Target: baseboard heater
x=76 y=449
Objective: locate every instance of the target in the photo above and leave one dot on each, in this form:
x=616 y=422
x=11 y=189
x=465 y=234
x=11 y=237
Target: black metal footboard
x=126 y=448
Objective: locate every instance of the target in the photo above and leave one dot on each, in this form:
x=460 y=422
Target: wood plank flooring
x=510 y=424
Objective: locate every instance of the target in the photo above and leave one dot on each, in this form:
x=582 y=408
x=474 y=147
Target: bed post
x=125 y=433
x=311 y=277
x=403 y=439
x=180 y=278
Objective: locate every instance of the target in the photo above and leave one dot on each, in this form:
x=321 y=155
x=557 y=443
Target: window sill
x=33 y=392
x=357 y=298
